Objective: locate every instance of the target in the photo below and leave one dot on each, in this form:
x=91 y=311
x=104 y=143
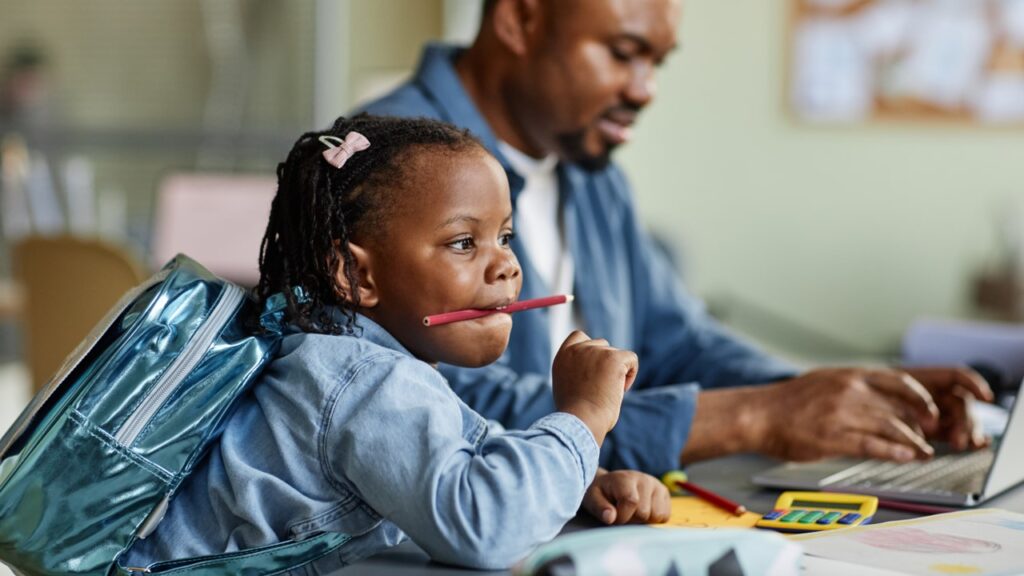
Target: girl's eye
x=464 y=244
x=506 y=238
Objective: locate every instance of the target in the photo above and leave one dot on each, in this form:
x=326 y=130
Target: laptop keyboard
x=949 y=474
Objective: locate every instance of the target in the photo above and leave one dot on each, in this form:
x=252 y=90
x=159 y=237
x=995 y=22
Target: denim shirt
x=352 y=434
x=626 y=290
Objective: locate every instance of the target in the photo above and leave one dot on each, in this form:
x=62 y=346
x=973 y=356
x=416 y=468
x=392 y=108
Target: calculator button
x=829 y=518
x=774 y=514
x=810 y=517
x=793 y=516
x=849 y=518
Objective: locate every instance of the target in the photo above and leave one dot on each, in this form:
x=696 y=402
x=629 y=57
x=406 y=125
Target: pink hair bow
x=339 y=151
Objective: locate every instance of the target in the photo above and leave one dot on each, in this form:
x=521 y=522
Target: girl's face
x=445 y=248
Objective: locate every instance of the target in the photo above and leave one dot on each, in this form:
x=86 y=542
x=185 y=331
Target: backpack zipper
x=222 y=312
x=74 y=359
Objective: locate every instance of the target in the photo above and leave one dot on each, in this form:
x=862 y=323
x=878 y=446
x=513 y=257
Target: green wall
x=851 y=231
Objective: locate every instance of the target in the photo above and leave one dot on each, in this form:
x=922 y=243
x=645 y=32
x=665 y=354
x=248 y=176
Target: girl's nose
x=504 y=267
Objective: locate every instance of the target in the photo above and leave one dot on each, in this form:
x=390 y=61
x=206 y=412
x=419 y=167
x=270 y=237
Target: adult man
x=552 y=87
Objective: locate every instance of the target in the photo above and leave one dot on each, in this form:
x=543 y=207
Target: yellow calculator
x=812 y=511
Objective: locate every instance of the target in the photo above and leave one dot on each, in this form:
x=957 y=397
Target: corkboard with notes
x=933 y=60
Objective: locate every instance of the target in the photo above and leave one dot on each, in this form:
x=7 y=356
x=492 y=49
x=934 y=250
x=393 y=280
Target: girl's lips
x=499 y=305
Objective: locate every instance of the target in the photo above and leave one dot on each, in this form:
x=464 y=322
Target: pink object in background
x=217 y=219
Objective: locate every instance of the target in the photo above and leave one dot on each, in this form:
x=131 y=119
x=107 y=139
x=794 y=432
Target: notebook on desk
x=959 y=479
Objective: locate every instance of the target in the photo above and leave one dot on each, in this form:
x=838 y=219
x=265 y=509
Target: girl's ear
x=368 y=296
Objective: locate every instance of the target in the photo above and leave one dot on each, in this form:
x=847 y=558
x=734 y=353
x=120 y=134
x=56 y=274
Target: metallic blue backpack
x=92 y=463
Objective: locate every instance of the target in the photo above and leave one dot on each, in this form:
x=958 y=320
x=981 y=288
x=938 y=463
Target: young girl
x=351 y=429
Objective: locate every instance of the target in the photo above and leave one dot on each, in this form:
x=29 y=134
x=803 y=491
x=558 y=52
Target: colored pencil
x=712 y=498
x=914 y=507
x=460 y=315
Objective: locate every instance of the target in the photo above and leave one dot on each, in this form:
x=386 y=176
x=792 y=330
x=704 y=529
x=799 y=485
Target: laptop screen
x=1008 y=468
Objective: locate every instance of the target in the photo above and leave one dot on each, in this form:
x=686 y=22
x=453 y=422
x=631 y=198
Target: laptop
x=957 y=479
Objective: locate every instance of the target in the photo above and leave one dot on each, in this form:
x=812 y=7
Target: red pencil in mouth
x=472 y=314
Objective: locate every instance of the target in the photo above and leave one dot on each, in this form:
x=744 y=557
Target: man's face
x=589 y=71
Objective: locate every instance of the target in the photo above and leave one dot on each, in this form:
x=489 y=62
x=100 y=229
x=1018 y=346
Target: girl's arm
x=422 y=459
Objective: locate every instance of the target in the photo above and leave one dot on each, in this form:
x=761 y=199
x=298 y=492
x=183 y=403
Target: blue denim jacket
x=626 y=290
x=352 y=434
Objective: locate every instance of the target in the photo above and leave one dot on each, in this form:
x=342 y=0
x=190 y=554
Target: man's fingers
x=866 y=445
x=908 y=416
x=960 y=424
x=901 y=385
x=955 y=377
x=978 y=437
x=974 y=383
x=897 y=431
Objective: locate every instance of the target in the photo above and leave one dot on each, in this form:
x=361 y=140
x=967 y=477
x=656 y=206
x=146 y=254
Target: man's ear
x=363 y=271
x=516 y=22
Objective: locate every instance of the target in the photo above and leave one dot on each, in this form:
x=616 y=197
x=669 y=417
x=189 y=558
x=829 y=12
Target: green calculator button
x=810 y=517
x=793 y=516
x=829 y=518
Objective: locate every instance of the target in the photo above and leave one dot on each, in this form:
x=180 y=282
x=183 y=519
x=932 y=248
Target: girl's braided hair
x=318 y=208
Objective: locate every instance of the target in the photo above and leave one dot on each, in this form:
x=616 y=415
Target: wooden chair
x=68 y=285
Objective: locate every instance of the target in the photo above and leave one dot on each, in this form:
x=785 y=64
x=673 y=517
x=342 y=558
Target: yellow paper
x=692 y=512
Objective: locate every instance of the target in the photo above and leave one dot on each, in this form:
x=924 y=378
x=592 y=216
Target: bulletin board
x=932 y=60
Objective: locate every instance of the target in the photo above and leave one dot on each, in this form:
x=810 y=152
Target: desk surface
x=728 y=476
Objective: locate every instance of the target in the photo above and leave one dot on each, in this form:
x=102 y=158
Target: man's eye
x=506 y=238
x=462 y=244
x=620 y=54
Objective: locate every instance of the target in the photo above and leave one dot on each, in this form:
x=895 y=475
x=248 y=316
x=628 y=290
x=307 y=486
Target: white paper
x=883 y=28
x=832 y=76
x=1000 y=99
x=936 y=342
x=814 y=566
x=979 y=542
x=948 y=51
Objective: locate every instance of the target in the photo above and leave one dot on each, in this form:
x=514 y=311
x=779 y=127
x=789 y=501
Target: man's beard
x=571 y=144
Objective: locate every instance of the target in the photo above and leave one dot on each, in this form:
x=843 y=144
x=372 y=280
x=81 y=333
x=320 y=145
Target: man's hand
x=589 y=378
x=862 y=413
x=954 y=390
x=627 y=496
x=851 y=412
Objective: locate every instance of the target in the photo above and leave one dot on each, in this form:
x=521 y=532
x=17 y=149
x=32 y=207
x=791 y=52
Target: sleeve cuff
x=574 y=434
x=654 y=425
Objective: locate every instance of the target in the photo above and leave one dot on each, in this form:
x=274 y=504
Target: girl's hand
x=589 y=378
x=627 y=496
